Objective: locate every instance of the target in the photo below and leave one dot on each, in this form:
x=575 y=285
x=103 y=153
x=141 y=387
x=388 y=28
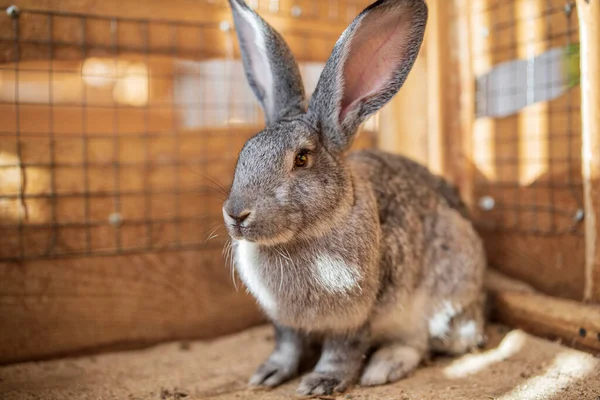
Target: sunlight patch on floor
x=566 y=369
x=474 y=363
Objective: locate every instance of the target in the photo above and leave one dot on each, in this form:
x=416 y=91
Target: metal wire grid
x=332 y=10
x=550 y=201
x=318 y=10
x=85 y=172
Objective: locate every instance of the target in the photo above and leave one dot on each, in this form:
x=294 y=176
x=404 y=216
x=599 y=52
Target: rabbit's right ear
x=271 y=69
x=367 y=67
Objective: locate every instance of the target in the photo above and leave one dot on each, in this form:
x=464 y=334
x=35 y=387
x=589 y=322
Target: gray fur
x=367 y=250
x=287 y=98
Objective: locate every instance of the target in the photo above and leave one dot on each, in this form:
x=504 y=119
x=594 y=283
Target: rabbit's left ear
x=369 y=64
x=271 y=69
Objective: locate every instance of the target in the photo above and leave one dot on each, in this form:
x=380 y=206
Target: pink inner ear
x=375 y=55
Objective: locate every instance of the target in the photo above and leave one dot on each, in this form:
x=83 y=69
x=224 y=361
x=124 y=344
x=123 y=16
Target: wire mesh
x=528 y=163
x=118 y=133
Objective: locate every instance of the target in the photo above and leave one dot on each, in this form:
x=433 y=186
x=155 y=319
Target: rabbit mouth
x=259 y=230
x=238 y=232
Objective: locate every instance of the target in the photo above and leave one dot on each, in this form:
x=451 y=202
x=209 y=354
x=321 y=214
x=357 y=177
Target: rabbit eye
x=301 y=159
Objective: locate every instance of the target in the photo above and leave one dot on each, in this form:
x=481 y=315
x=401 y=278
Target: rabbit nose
x=239 y=218
x=237 y=210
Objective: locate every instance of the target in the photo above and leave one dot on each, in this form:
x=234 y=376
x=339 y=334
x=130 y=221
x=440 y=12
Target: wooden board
x=464 y=91
x=439 y=68
x=589 y=20
x=576 y=324
x=551 y=265
x=519 y=305
x=53 y=308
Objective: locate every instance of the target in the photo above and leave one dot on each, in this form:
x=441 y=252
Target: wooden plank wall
x=527 y=159
x=153 y=277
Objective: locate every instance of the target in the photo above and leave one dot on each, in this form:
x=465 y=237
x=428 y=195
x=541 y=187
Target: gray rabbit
x=368 y=253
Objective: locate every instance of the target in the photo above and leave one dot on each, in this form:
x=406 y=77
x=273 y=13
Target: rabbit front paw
x=323 y=384
x=389 y=364
x=271 y=374
x=339 y=365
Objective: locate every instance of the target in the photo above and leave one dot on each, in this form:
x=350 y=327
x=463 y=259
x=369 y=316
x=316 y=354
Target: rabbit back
x=431 y=258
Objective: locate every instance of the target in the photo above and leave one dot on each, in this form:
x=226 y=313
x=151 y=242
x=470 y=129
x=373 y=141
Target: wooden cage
x=120 y=123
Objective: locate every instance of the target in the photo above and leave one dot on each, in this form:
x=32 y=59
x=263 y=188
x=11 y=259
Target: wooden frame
x=589 y=17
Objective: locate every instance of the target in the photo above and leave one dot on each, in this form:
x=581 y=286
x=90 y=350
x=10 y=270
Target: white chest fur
x=269 y=284
x=247 y=259
x=334 y=275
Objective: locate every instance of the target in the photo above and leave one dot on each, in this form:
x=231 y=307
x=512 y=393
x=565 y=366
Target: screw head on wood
x=13 y=11
x=115 y=219
x=225 y=26
x=569 y=8
x=296 y=11
x=487 y=203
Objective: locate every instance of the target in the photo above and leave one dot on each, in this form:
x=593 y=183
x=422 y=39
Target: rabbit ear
x=369 y=64
x=270 y=67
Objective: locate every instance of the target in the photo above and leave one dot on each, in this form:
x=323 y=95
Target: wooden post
x=437 y=54
x=466 y=173
x=589 y=34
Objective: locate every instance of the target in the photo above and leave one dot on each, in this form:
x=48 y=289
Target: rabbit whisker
x=229 y=261
x=212 y=233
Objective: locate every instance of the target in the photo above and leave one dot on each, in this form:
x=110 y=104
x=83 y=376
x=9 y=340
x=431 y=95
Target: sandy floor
x=514 y=366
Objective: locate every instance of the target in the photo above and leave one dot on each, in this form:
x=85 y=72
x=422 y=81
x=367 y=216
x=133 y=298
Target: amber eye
x=301 y=159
